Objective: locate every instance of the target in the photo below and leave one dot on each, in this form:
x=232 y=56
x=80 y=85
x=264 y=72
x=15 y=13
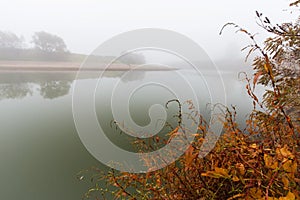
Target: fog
x=86 y=24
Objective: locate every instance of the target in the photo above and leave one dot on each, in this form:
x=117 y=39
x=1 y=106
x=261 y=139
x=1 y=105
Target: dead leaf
x=236 y=196
x=217 y=173
x=284 y=152
x=190 y=155
x=241 y=168
x=290 y=166
x=256 y=77
x=270 y=162
x=221 y=171
x=235 y=178
x=289 y=196
x=285 y=182
x=256 y=193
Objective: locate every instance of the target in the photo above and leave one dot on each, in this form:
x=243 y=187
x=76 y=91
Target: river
x=40 y=150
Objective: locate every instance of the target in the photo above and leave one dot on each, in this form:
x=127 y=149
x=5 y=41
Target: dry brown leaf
x=241 y=168
x=190 y=155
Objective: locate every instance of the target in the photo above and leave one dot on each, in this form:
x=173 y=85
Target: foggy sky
x=86 y=24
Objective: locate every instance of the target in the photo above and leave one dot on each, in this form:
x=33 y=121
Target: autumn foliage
x=260 y=161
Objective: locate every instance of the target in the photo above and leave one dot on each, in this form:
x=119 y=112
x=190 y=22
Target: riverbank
x=71 y=66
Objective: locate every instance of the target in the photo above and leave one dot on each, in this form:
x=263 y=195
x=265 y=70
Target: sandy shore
x=67 y=66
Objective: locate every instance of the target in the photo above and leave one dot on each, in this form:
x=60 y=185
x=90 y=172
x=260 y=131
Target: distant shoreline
x=71 y=66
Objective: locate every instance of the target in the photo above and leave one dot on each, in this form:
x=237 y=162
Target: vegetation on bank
x=259 y=162
x=44 y=47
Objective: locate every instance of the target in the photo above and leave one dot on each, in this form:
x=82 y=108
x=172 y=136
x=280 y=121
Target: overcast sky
x=84 y=24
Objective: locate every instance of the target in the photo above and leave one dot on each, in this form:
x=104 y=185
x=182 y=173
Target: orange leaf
x=241 y=168
x=268 y=68
x=189 y=156
x=256 y=76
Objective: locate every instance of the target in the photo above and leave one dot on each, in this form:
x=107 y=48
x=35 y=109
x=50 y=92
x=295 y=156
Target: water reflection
x=51 y=85
x=15 y=91
x=54 y=89
x=133 y=76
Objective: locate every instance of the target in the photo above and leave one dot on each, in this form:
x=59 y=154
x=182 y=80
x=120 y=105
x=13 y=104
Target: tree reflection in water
x=17 y=85
x=15 y=91
x=54 y=89
x=47 y=89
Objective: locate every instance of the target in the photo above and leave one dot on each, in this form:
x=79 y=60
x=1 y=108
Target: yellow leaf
x=290 y=166
x=218 y=173
x=256 y=193
x=270 y=162
x=284 y=152
x=235 y=178
x=236 y=196
x=211 y=174
x=253 y=146
x=289 y=196
x=221 y=171
x=285 y=182
x=266 y=68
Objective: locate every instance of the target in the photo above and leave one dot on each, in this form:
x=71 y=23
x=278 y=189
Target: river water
x=40 y=150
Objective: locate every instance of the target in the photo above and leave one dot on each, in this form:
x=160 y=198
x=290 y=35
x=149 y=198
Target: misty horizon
x=85 y=25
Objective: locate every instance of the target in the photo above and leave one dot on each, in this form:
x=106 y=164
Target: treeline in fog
x=43 y=47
